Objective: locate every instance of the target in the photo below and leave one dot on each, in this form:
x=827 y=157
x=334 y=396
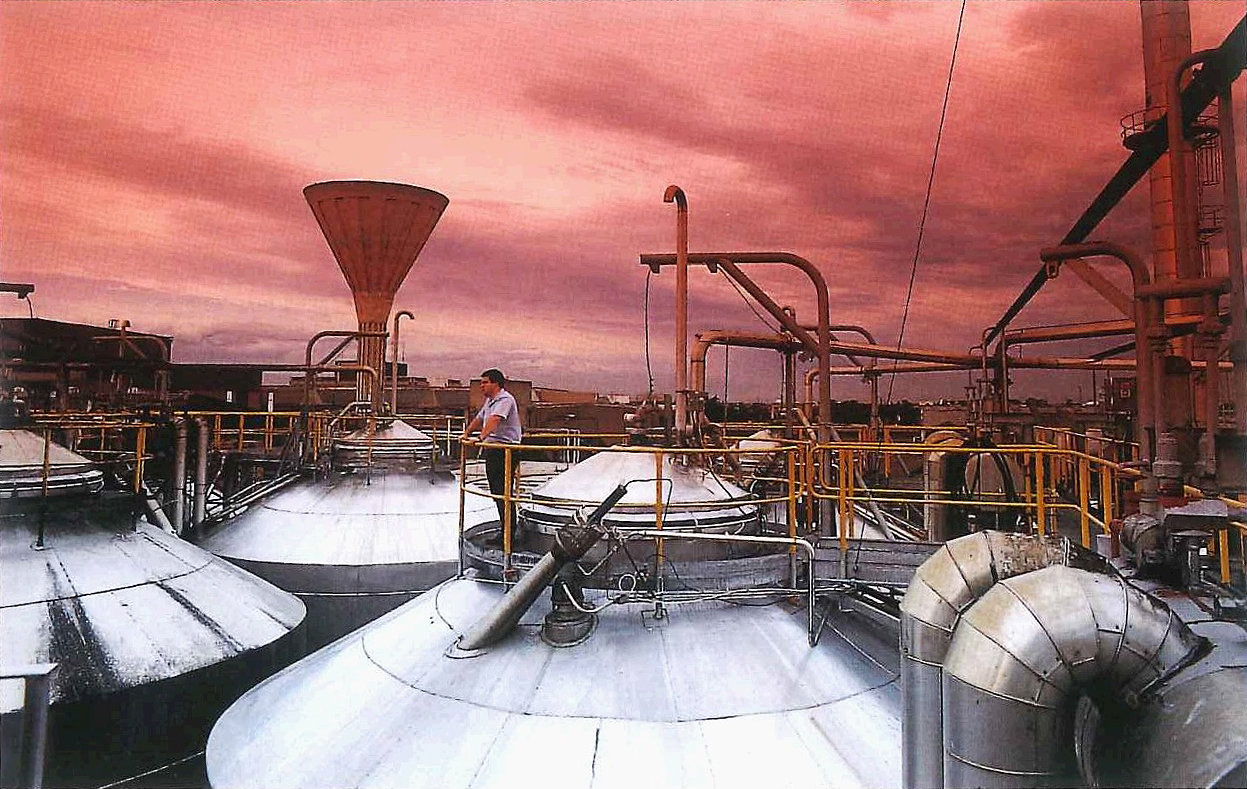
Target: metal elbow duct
x=942 y=589
x=1022 y=655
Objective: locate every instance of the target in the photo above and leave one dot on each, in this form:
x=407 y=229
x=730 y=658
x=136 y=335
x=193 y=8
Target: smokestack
x=1166 y=44
x=376 y=230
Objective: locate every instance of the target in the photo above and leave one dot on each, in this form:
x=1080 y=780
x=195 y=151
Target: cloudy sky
x=153 y=155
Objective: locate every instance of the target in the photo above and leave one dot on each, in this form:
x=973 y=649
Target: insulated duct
x=1022 y=655
x=942 y=589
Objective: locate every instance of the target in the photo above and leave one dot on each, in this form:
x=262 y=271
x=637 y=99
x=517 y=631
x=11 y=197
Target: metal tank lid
x=394 y=440
x=693 y=497
x=21 y=467
x=384 y=517
x=119 y=605
x=712 y=695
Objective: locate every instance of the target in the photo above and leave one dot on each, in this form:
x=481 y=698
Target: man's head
x=492 y=381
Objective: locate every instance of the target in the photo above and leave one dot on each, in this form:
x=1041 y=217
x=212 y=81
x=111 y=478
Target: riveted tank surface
x=713 y=694
x=360 y=541
x=154 y=637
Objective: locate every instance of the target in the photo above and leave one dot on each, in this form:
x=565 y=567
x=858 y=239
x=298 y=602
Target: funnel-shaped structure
x=376 y=230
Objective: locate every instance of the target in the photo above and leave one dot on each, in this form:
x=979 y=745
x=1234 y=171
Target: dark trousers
x=496 y=473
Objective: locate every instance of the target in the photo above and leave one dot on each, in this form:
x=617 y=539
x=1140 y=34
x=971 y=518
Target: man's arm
x=491 y=424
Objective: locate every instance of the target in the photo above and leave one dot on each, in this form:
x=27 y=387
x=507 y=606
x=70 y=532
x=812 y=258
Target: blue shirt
x=508 y=430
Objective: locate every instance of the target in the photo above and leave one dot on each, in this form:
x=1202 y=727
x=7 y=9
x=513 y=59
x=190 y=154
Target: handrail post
x=506 y=514
x=1041 y=510
x=1084 y=491
x=1106 y=497
x=791 y=455
x=658 y=512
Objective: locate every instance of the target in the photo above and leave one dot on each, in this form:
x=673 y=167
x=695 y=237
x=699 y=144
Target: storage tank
x=154 y=637
x=361 y=540
x=698 y=691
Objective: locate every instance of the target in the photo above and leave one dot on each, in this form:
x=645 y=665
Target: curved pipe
x=942 y=589
x=394 y=362
x=1148 y=389
x=703 y=341
x=1024 y=652
x=676 y=194
x=729 y=262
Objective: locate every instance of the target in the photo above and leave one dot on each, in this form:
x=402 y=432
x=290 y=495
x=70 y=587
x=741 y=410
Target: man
x=499 y=422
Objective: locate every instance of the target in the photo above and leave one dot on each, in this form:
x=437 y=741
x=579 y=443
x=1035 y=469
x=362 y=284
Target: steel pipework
x=1021 y=655
x=676 y=194
x=944 y=587
x=1149 y=382
x=703 y=341
x=394 y=361
x=821 y=346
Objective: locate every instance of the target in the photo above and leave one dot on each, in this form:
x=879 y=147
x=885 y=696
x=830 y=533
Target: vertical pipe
x=179 y=477
x=676 y=194
x=201 y=471
x=1234 y=250
x=38 y=693
x=140 y=448
x=1166 y=33
x=394 y=361
x=1210 y=338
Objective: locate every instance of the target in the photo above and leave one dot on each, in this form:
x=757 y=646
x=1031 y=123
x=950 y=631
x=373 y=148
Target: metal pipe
x=1182 y=187
x=1234 y=252
x=394 y=362
x=1210 y=332
x=570 y=544
x=1147 y=400
x=1023 y=653
x=943 y=588
x=676 y=194
x=37 y=697
x=202 y=434
x=179 y=477
x=703 y=341
x=1197 y=95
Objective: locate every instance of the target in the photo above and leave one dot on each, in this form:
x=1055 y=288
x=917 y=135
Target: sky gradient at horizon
x=153 y=155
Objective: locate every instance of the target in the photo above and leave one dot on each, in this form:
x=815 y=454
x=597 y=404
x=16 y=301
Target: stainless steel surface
x=353 y=545
x=152 y=635
x=22 y=467
x=1022 y=653
x=713 y=695
x=693 y=497
x=942 y=589
x=34 y=735
x=1202 y=711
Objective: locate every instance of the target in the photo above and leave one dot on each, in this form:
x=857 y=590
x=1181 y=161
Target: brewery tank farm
x=676 y=585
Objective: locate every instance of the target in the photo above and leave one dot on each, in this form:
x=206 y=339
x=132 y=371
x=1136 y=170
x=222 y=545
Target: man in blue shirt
x=499 y=422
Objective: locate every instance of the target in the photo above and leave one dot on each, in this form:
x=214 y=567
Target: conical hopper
x=376 y=230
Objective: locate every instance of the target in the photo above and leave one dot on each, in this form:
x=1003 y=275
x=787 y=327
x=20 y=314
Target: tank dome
x=153 y=636
x=693 y=497
x=713 y=694
x=358 y=542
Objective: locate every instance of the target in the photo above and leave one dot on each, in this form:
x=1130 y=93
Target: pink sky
x=153 y=156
